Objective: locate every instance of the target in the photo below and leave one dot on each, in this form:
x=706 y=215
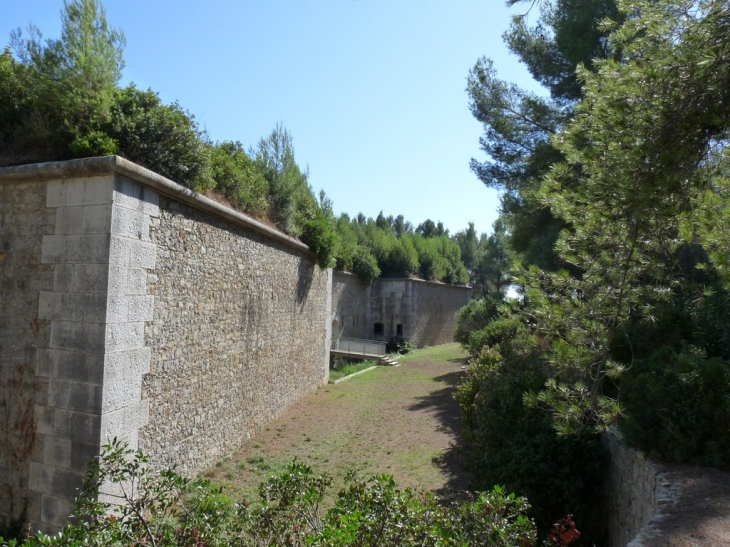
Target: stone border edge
x=103 y=165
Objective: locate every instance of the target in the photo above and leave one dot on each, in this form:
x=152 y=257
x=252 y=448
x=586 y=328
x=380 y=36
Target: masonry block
x=87 y=249
x=56 y=451
x=56 y=193
x=97 y=219
x=73 y=365
x=143 y=255
x=127 y=365
x=69 y=220
x=72 y=307
x=120 y=250
x=79 y=426
x=129 y=223
x=56 y=511
x=141 y=308
x=53 y=249
x=117 y=308
x=85 y=337
x=73 y=395
x=124 y=336
x=82 y=454
x=121 y=393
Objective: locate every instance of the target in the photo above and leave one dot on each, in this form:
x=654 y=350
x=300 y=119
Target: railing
x=352 y=345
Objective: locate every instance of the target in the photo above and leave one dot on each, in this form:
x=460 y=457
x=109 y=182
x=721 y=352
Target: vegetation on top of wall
x=60 y=99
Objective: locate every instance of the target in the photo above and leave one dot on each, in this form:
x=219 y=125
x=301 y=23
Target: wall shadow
x=442 y=405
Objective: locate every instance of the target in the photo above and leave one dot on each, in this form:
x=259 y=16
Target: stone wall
x=434 y=319
x=238 y=335
x=636 y=493
x=133 y=308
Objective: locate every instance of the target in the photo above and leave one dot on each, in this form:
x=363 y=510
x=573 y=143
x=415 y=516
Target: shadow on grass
x=442 y=405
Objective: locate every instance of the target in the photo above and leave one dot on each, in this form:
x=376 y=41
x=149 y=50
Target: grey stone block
x=89 y=191
x=77 y=307
x=121 y=393
x=65 y=483
x=127 y=365
x=46 y=417
x=56 y=451
x=141 y=308
x=117 y=308
x=73 y=365
x=87 y=249
x=40 y=477
x=113 y=424
x=56 y=511
x=121 y=250
x=56 y=193
x=129 y=223
x=73 y=395
x=97 y=219
x=143 y=255
x=53 y=249
x=78 y=426
x=82 y=454
x=124 y=336
x=69 y=220
x=90 y=278
x=136 y=281
x=86 y=337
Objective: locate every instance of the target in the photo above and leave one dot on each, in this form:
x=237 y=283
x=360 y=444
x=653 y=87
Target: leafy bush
x=398 y=344
x=511 y=444
x=474 y=316
x=167 y=510
x=364 y=265
x=678 y=407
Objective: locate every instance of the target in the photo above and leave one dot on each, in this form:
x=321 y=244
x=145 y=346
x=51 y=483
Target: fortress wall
x=134 y=308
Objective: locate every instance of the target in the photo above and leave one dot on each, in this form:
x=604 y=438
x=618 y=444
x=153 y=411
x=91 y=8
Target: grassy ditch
x=402 y=421
x=343 y=368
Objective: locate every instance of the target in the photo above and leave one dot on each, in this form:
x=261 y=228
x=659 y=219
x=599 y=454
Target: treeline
x=615 y=191
x=61 y=99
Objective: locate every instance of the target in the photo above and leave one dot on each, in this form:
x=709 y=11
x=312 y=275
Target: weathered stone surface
x=238 y=334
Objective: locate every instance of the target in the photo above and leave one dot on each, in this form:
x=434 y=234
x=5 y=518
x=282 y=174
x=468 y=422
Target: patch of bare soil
x=701 y=518
x=402 y=421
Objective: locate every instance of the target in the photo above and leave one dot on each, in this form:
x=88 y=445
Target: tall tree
x=519 y=125
x=640 y=153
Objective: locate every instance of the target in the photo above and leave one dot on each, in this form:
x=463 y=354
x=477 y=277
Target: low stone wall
x=133 y=308
x=636 y=492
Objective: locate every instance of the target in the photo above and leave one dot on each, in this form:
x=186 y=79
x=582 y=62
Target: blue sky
x=372 y=91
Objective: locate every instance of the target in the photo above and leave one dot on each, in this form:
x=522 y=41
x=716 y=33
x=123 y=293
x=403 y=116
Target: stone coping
x=105 y=165
x=425 y=281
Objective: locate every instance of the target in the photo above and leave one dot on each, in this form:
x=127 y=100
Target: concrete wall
x=350 y=307
x=133 y=308
x=425 y=310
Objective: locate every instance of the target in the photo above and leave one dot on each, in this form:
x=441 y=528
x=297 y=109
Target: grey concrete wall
x=350 y=307
x=426 y=310
x=133 y=308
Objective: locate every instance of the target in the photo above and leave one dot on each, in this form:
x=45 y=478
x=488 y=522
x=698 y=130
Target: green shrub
x=508 y=443
x=678 y=407
x=365 y=265
x=167 y=510
x=398 y=344
x=474 y=316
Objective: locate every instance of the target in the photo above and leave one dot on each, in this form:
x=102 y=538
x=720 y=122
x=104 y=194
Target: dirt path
x=402 y=421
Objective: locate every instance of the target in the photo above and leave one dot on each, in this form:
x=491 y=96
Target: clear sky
x=372 y=91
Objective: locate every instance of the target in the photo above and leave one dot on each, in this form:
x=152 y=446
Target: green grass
x=350 y=368
x=435 y=354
